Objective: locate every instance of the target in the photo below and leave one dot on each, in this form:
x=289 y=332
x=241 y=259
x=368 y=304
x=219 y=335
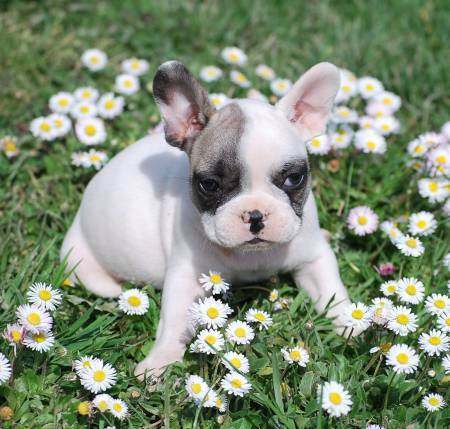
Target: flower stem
x=388 y=391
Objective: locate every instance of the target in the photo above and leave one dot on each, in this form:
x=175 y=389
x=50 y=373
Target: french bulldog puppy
x=225 y=190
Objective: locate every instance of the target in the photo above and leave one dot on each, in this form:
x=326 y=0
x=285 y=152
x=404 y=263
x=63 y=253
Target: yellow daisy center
x=128 y=83
x=441 y=159
x=134 y=301
x=45 y=126
x=240 y=77
x=39 y=338
x=211 y=339
x=236 y=362
x=402 y=358
x=215 y=278
x=86 y=94
x=58 y=123
x=117 y=407
x=212 y=312
x=45 y=295
x=421 y=224
x=236 y=383
x=103 y=405
x=99 y=376
x=403 y=319
x=371 y=145
x=335 y=398
x=135 y=64
x=109 y=104
x=385 y=347
x=95 y=59
x=447 y=321
x=260 y=317
x=411 y=289
x=10 y=146
x=362 y=220
x=63 y=102
x=344 y=113
x=357 y=314
x=439 y=303
x=434 y=402
x=233 y=56
x=86 y=364
x=67 y=282
x=419 y=149
x=240 y=332
x=391 y=288
x=339 y=139
x=433 y=186
x=196 y=388
x=434 y=341
x=346 y=88
x=16 y=336
x=218 y=402
x=411 y=242
x=387 y=101
x=94 y=158
x=215 y=100
x=370 y=87
x=386 y=127
x=295 y=355
x=315 y=143
x=90 y=130
x=34 y=318
x=84 y=109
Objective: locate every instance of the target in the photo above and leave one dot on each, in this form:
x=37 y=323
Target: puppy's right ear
x=184 y=104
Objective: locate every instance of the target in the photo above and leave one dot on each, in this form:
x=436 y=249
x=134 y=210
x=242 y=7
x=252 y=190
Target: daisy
x=373 y=426
x=417 y=148
x=341 y=138
x=437 y=304
x=43 y=128
x=377 y=110
x=235 y=384
x=443 y=321
x=254 y=94
x=369 y=141
x=86 y=93
x=221 y=403
x=432 y=139
x=422 y=223
x=210 y=73
x=236 y=361
x=389 y=99
x=95 y=158
x=402 y=320
x=390 y=228
x=402 y=358
x=433 y=402
x=274 y=295
x=240 y=332
x=83 y=109
x=439 y=160
x=432 y=190
x=14 y=334
x=41 y=342
x=347 y=89
x=233 y=55
x=62 y=102
x=280 y=87
x=239 y=79
x=135 y=66
x=102 y=402
x=380 y=310
x=119 y=408
x=127 y=84
x=98 y=377
x=61 y=124
x=336 y=401
x=219 y=100
x=44 y=295
x=446 y=363
x=319 y=145
x=210 y=399
x=297 y=354
x=90 y=131
x=133 y=302
x=258 y=316
x=410 y=246
x=369 y=87
x=389 y=288
x=386 y=125
x=94 y=59
x=362 y=220
x=343 y=114
x=358 y=316
x=84 y=363
x=196 y=387
x=434 y=343
x=366 y=122
x=210 y=312
x=445 y=207
x=34 y=318
x=110 y=106
x=410 y=290
x=210 y=341
x=265 y=72
x=9 y=146
x=5 y=368
x=214 y=282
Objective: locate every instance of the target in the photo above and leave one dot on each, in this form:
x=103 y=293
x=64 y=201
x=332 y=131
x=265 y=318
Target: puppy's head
x=248 y=163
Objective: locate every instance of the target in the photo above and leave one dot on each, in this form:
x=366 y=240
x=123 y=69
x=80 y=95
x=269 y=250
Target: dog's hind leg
x=86 y=269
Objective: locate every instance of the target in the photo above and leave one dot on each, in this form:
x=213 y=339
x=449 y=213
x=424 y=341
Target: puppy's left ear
x=184 y=104
x=309 y=102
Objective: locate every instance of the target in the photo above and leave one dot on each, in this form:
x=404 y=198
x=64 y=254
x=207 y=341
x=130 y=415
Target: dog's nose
x=255 y=218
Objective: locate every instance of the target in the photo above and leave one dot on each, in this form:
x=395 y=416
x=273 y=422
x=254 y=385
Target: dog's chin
x=256 y=245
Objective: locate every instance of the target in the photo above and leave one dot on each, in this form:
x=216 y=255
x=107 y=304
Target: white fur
x=137 y=223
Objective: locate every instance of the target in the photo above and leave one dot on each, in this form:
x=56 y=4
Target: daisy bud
x=333 y=165
x=6 y=413
x=309 y=325
x=431 y=373
x=386 y=269
x=84 y=408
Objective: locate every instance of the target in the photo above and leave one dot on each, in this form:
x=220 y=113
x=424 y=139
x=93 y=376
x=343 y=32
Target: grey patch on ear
x=173 y=79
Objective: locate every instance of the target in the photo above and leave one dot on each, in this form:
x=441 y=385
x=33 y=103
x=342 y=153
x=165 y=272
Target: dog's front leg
x=321 y=279
x=181 y=289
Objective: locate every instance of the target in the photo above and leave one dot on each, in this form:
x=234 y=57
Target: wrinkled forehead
x=246 y=134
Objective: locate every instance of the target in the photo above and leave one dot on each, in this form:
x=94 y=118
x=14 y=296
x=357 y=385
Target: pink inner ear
x=309 y=116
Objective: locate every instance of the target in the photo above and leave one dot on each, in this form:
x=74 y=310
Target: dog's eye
x=293 y=181
x=208 y=186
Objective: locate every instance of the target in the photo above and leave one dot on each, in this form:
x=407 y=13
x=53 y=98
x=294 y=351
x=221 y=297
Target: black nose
x=256 y=223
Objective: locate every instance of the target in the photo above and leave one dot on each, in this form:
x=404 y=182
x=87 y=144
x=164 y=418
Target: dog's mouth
x=256 y=240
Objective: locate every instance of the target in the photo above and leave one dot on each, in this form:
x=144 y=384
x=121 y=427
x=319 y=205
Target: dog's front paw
x=155 y=363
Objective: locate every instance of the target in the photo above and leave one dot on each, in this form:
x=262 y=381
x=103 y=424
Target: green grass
x=403 y=43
